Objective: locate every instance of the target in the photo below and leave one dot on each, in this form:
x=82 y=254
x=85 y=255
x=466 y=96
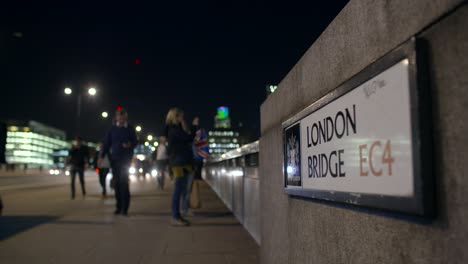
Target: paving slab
x=42 y=225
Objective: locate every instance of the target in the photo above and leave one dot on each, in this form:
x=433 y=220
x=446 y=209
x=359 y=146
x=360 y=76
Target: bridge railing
x=234 y=177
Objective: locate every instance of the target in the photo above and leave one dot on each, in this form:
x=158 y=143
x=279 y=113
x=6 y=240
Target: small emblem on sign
x=293 y=156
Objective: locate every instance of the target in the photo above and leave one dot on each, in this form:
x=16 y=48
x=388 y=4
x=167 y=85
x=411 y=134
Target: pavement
x=42 y=225
x=18 y=180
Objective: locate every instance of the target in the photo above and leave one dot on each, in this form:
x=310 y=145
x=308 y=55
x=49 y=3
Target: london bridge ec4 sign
x=367 y=142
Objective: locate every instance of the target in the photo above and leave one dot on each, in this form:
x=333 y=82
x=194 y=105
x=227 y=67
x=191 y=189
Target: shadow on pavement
x=152 y=214
x=79 y=222
x=158 y=194
x=214 y=214
x=195 y=224
x=12 y=225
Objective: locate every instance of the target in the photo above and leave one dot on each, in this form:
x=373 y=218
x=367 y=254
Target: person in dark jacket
x=180 y=159
x=119 y=144
x=78 y=159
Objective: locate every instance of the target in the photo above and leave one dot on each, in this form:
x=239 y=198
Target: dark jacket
x=179 y=147
x=78 y=156
x=113 y=143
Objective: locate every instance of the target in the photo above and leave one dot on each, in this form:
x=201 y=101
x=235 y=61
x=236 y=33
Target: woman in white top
x=103 y=170
x=161 y=161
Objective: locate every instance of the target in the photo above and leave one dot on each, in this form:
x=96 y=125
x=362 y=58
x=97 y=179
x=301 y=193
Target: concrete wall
x=306 y=231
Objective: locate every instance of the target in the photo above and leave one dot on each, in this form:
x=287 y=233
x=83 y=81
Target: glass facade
x=222 y=141
x=33 y=144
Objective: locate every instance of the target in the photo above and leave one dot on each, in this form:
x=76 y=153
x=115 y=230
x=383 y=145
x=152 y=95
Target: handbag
x=195 y=202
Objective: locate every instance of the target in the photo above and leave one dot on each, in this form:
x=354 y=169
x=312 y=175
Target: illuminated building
x=222 y=139
x=222 y=119
x=33 y=144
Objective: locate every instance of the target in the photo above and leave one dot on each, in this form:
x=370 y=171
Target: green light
x=223 y=112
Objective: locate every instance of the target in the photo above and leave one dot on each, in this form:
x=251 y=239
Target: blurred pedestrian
x=119 y=144
x=161 y=161
x=180 y=159
x=102 y=169
x=201 y=152
x=185 y=206
x=78 y=160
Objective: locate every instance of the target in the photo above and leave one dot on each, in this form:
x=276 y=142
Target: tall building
x=222 y=119
x=222 y=138
x=33 y=144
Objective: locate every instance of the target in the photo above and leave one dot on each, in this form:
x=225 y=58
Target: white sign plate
x=359 y=143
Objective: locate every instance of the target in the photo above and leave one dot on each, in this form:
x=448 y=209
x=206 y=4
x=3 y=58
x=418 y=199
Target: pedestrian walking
x=78 y=160
x=119 y=144
x=102 y=169
x=161 y=161
x=180 y=159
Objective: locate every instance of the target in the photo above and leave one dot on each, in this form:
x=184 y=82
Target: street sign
x=364 y=143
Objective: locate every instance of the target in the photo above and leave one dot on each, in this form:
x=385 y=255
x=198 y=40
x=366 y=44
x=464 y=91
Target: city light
x=147 y=143
x=68 y=90
x=92 y=91
x=105 y=114
x=153 y=149
x=138 y=128
x=156 y=144
x=273 y=88
x=150 y=137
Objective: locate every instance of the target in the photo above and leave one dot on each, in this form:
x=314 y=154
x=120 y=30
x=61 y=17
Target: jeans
x=186 y=192
x=102 y=179
x=80 y=172
x=179 y=186
x=122 y=188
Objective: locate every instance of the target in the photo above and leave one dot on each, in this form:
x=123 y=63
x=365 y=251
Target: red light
x=97 y=170
x=137 y=61
x=119 y=108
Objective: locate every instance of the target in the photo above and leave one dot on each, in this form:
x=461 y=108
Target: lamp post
x=91 y=92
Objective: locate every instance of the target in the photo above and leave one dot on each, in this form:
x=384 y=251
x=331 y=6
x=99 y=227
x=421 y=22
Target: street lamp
x=138 y=128
x=104 y=114
x=92 y=92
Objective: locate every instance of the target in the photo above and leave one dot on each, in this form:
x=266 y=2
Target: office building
x=32 y=144
x=222 y=138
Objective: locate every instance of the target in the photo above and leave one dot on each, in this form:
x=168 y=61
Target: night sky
x=195 y=55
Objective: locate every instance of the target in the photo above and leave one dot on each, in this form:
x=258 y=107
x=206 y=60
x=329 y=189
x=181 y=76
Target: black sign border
x=422 y=202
